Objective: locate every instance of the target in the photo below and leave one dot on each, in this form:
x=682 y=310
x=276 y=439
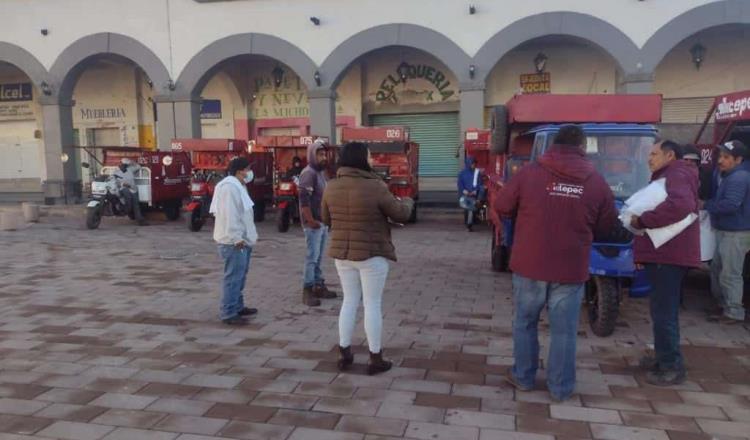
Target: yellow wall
x=573 y=68
x=725 y=69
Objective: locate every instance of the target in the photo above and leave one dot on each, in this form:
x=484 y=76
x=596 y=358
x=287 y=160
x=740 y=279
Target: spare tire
x=499 y=129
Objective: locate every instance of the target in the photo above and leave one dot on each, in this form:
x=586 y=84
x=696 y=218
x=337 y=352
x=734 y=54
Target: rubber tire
x=93 y=217
x=499 y=143
x=603 y=304
x=259 y=212
x=413 y=215
x=172 y=210
x=195 y=221
x=283 y=219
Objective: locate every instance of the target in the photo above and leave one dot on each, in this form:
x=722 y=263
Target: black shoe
x=377 y=364
x=666 y=378
x=308 y=297
x=247 y=311
x=321 y=291
x=235 y=320
x=648 y=363
x=346 y=358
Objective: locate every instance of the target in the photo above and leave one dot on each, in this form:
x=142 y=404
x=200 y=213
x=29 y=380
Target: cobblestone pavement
x=113 y=334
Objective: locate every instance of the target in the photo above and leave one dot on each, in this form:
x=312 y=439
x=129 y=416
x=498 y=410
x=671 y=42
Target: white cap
x=125 y=161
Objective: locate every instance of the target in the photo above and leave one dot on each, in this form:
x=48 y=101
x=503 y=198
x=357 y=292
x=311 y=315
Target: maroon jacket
x=560 y=204
x=682 y=199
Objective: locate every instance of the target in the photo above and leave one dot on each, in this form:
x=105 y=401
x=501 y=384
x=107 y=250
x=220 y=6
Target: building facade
x=80 y=74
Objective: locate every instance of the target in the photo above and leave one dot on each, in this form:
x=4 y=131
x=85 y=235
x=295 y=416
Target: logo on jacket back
x=565 y=190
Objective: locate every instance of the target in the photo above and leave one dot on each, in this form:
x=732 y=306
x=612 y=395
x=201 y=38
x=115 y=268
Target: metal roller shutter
x=685 y=110
x=438 y=136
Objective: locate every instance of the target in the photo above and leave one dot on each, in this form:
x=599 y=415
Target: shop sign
x=287 y=100
x=404 y=72
x=535 y=83
x=732 y=107
x=102 y=113
x=15 y=92
x=211 y=109
x=16 y=110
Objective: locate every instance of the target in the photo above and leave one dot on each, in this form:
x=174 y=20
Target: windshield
x=621 y=159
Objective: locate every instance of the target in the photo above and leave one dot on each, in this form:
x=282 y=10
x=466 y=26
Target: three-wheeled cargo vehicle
x=395 y=158
x=162 y=179
x=619 y=134
x=210 y=159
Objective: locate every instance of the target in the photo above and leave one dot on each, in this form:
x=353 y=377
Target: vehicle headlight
x=195 y=187
x=285 y=187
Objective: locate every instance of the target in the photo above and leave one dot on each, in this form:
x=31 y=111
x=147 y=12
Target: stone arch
x=73 y=60
x=691 y=22
x=26 y=62
x=408 y=35
x=198 y=70
x=586 y=27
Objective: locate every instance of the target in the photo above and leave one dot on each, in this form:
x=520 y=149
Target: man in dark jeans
x=667 y=265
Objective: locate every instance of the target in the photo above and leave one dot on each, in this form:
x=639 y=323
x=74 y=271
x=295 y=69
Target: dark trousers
x=666 y=288
x=132 y=202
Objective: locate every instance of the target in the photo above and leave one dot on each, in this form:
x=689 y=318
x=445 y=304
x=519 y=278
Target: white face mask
x=249 y=176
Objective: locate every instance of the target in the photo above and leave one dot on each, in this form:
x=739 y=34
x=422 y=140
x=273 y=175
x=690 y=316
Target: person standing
x=125 y=175
x=470 y=190
x=560 y=204
x=666 y=266
x=312 y=184
x=730 y=217
x=692 y=155
x=357 y=206
x=235 y=234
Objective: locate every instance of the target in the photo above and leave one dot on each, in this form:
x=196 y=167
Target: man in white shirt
x=235 y=233
x=128 y=190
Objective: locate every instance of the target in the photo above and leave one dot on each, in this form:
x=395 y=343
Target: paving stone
x=494 y=434
x=655 y=394
x=129 y=418
x=23 y=425
x=325 y=390
x=618 y=432
x=76 y=431
x=161 y=376
x=320 y=434
x=256 y=431
x=720 y=427
x=120 y=386
x=20 y=407
x=564 y=412
x=660 y=422
x=480 y=419
x=421 y=386
x=71 y=412
x=347 y=406
x=213 y=381
x=123 y=401
x=714 y=399
x=447 y=401
x=169 y=390
x=180 y=406
x=290 y=401
x=191 y=425
x=139 y=434
x=269 y=385
x=22 y=391
x=686 y=410
x=737 y=414
x=248 y=413
x=226 y=396
x=64 y=395
x=619 y=404
x=544 y=425
x=411 y=412
x=384 y=395
x=372 y=425
x=503 y=406
x=308 y=419
x=434 y=431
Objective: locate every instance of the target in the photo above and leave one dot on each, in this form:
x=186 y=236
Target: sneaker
x=235 y=320
x=665 y=378
x=648 y=363
x=247 y=311
x=513 y=381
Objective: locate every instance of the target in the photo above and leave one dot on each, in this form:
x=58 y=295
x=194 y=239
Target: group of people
x=353 y=212
x=560 y=203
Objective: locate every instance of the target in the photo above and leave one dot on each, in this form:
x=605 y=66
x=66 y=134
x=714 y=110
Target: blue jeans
x=666 y=286
x=316 y=243
x=236 y=265
x=563 y=303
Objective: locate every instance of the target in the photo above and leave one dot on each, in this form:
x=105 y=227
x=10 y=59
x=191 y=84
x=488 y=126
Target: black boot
x=346 y=358
x=308 y=297
x=378 y=364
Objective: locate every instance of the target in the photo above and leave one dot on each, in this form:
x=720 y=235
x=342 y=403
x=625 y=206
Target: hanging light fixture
x=278 y=76
x=540 y=62
x=698 y=52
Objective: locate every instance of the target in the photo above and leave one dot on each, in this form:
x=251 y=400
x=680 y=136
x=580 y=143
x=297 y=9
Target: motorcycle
x=286 y=196
x=105 y=200
x=202 y=186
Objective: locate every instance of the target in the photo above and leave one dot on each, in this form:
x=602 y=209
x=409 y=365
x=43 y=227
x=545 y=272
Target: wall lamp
x=316 y=77
x=171 y=85
x=472 y=9
x=540 y=62
x=698 y=52
x=315 y=21
x=472 y=71
x=46 y=88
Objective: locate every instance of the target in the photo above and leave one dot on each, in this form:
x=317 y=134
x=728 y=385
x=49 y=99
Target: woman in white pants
x=357 y=206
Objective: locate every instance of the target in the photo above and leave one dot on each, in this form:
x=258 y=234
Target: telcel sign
x=732 y=107
x=15 y=92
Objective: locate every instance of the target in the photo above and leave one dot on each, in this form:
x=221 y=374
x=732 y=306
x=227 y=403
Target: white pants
x=362 y=279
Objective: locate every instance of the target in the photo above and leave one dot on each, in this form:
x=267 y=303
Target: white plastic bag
x=659 y=236
x=708 y=237
x=645 y=199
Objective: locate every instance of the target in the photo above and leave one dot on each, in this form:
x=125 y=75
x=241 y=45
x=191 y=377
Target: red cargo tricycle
x=285 y=180
x=395 y=158
x=210 y=158
x=161 y=178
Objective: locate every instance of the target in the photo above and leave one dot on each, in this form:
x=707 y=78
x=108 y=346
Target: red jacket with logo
x=560 y=203
x=682 y=199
